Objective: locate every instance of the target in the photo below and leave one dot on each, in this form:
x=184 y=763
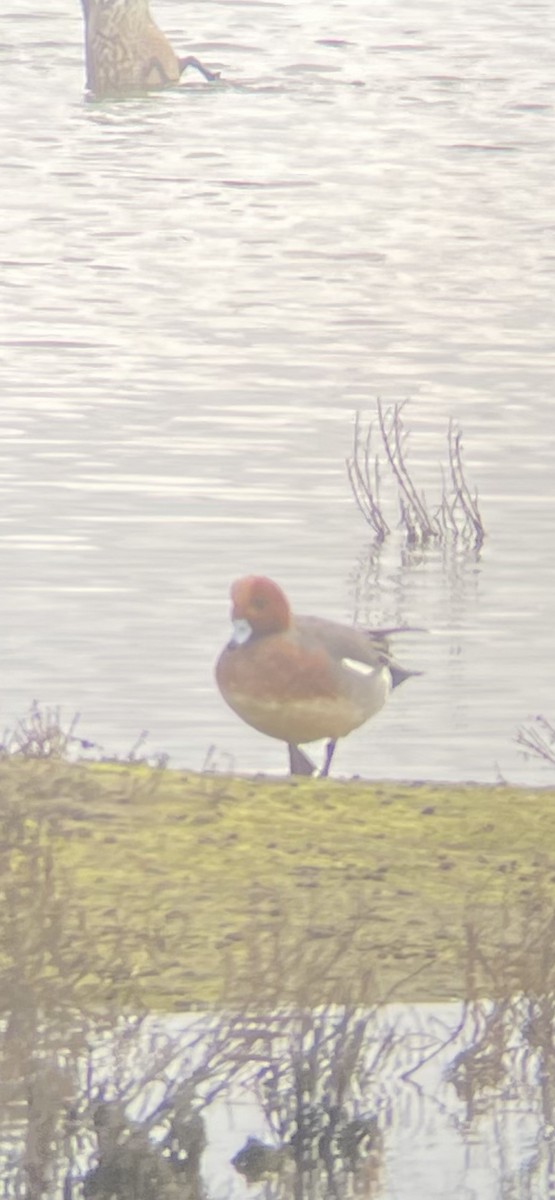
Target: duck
x=301 y=678
x=126 y=53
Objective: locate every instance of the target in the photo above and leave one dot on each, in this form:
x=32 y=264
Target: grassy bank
x=137 y=886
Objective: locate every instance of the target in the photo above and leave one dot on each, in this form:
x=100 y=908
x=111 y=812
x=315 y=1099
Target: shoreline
x=170 y=890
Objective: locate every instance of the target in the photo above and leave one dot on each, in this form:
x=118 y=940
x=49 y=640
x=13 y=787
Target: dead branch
x=462 y=495
x=364 y=477
x=538 y=739
x=415 y=518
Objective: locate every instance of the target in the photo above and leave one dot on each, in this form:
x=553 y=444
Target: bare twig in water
x=364 y=477
x=538 y=739
x=458 y=515
x=462 y=501
x=415 y=518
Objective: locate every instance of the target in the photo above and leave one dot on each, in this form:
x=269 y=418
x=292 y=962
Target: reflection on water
x=199 y=290
x=397 y=1101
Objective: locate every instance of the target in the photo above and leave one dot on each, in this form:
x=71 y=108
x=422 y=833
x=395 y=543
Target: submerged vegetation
x=118 y=1108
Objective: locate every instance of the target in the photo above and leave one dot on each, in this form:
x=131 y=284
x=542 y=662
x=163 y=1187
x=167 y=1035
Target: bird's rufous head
x=262 y=603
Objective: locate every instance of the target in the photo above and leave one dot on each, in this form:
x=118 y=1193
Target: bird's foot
x=300 y=764
x=191 y=61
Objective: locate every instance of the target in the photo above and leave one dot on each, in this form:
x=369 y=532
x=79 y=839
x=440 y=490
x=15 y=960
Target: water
x=459 y=1096
x=199 y=289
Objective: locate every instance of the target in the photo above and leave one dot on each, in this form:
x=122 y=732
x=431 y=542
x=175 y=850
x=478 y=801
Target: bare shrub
x=41 y=734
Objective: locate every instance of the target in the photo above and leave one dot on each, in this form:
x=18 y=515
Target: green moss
x=171 y=889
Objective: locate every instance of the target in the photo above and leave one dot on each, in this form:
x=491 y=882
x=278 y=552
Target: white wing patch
x=361 y=668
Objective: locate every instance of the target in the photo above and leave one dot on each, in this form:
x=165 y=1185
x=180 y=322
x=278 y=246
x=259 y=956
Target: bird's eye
x=259 y=602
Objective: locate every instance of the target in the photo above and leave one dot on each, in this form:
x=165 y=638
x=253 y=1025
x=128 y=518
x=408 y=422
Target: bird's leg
x=191 y=61
x=300 y=764
x=330 y=750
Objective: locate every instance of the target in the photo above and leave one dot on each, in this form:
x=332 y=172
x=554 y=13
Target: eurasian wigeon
x=300 y=679
x=126 y=52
